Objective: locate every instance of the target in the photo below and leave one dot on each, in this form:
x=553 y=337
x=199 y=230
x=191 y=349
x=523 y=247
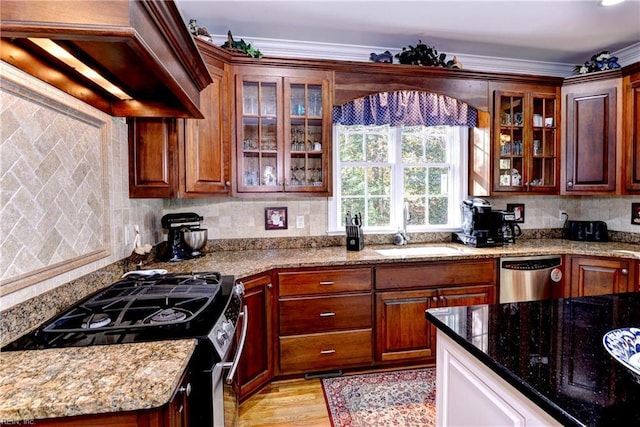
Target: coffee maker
x=481 y=226
x=510 y=230
x=175 y=249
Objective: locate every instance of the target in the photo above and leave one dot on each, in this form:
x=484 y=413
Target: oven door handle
x=233 y=365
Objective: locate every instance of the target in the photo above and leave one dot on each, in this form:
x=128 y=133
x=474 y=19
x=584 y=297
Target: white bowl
x=624 y=345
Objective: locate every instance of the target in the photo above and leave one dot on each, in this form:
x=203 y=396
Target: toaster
x=590 y=231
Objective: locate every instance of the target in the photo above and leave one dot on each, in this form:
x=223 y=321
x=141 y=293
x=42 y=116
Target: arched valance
x=409 y=108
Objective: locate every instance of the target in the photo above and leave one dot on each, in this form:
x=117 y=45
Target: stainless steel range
x=152 y=306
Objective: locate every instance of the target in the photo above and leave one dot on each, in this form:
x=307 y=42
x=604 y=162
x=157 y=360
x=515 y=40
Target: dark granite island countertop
x=551 y=351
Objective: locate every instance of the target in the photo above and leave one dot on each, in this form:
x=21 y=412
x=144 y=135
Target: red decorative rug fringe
x=401 y=398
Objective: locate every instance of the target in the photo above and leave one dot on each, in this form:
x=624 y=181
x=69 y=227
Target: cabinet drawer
x=334 y=350
x=436 y=274
x=319 y=314
x=324 y=281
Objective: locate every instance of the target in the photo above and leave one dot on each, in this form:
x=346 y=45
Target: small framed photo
x=275 y=218
x=635 y=213
x=517 y=209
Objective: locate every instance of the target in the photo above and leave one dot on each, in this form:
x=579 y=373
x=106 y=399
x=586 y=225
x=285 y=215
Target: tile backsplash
x=64 y=186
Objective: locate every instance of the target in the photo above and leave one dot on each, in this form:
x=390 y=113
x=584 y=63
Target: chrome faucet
x=401 y=237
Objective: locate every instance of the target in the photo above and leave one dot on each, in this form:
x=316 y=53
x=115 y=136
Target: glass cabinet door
x=304 y=148
x=283 y=129
x=511 y=162
x=259 y=159
x=306 y=136
x=525 y=142
x=543 y=148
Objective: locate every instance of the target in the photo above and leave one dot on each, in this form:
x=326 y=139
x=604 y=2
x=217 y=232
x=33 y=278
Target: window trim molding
x=460 y=186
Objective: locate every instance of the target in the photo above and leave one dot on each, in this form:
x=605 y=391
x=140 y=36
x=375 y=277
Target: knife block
x=355 y=238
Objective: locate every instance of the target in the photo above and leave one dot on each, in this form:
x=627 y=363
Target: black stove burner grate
x=141 y=302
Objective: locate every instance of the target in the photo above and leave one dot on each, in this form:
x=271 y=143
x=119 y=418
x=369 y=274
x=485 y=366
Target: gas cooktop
x=137 y=308
x=142 y=301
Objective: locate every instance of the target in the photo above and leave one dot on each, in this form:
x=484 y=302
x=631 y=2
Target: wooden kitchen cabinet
x=403 y=293
x=283 y=130
x=205 y=146
x=631 y=137
x=186 y=158
x=591 y=276
x=592 y=149
x=325 y=319
x=256 y=366
x=526 y=144
x=152 y=153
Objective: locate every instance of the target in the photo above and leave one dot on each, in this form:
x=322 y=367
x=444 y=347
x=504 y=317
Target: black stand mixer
x=177 y=225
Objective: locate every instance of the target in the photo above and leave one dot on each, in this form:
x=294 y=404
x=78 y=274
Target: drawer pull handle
x=327 y=314
x=327 y=351
x=327 y=283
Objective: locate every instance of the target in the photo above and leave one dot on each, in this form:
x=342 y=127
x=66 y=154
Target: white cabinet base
x=469 y=394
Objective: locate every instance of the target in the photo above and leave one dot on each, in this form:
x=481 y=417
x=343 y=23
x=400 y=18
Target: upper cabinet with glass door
x=526 y=145
x=284 y=131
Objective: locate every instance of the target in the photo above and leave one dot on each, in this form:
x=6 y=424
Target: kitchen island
x=540 y=362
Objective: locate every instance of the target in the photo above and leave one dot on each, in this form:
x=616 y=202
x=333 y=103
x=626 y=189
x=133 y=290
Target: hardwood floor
x=297 y=402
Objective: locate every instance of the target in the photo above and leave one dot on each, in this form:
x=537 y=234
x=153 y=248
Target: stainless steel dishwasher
x=529 y=278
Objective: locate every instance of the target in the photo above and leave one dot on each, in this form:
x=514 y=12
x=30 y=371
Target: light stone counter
x=249 y=262
x=90 y=380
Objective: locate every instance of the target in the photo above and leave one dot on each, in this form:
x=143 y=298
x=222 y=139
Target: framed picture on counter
x=635 y=213
x=275 y=218
x=517 y=209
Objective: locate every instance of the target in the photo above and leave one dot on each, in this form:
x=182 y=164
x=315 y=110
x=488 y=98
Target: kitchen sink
x=419 y=250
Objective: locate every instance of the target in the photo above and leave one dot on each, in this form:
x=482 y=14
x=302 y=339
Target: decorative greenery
x=241 y=46
x=425 y=55
x=599 y=62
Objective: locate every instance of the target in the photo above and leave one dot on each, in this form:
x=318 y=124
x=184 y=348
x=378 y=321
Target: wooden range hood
x=141 y=46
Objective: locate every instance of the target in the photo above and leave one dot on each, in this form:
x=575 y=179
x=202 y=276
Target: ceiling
x=557 y=31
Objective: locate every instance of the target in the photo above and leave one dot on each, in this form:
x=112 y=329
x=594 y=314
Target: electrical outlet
x=562 y=215
x=300 y=221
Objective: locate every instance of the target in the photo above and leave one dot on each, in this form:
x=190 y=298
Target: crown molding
x=357 y=53
x=629 y=55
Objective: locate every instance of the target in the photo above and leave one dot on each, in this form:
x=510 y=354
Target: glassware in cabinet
x=544 y=145
x=525 y=142
x=511 y=141
x=259 y=161
x=305 y=154
x=283 y=127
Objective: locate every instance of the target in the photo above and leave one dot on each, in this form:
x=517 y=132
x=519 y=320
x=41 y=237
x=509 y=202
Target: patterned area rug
x=401 y=398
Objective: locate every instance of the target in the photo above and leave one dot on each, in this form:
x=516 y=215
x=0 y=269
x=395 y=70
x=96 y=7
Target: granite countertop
x=17 y=367
x=249 y=262
x=552 y=352
x=65 y=382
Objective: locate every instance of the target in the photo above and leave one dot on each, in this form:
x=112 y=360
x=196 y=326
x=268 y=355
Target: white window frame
x=458 y=162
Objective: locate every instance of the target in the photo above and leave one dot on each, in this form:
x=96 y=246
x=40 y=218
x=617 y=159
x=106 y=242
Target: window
x=381 y=169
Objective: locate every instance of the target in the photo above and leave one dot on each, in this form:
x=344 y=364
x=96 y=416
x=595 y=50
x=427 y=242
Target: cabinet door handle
x=227 y=183
x=327 y=283
x=269 y=285
x=435 y=299
x=625 y=271
x=570 y=184
x=327 y=351
x=327 y=314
